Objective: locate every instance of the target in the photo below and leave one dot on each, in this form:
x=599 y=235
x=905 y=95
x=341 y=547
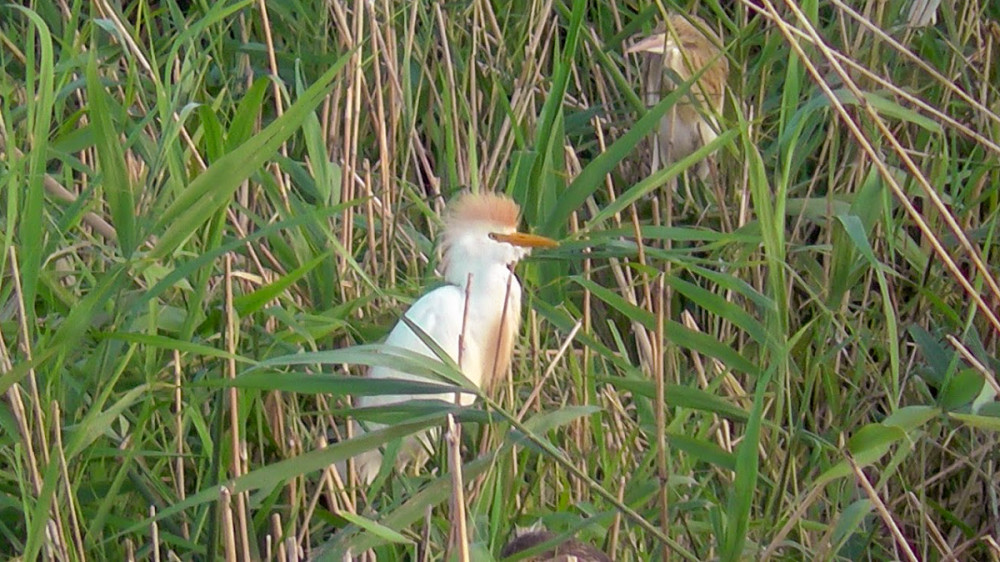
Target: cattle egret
x=563 y=552
x=479 y=308
x=681 y=49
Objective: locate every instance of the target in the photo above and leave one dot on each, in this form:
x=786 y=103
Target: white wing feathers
x=439 y=313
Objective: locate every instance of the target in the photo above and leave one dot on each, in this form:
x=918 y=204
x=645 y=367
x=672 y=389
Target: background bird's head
x=683 y=48
x=481 y=231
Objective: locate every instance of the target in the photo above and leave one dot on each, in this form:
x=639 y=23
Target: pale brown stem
x=459 y=525
x=234 y=413
x=74 y=522
x=662 y=469
x=154 y=532
x=548 y=371
x=278 y=105
x=179 y=429
x=882 y=511
x=228 y=532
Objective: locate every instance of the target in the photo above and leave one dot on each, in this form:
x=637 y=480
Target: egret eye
x=493 y=236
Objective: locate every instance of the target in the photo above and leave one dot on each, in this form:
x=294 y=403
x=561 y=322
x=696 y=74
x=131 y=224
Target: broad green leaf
x=816 y=208
x=867 y=446
x=616 y=301
x=252 y=302
x=211 y=130
x=592 y=176
x=186 y=269
x=214 y=188
x=675 y=233
x=544 y=187
x=721 y=308
x=95 y=423
x=910 y=418
x=165 y=342
x=400 y=359
x=961 y=389
x=849 y=521
x=381 y=531
x=856 y=231
x=676 y=332
x=540 y=424
x=741 y=496
x=247 y=112
x=412 y=509
x=648 y=184
x=546 y=421
x=939 y=358
x=39 y=98
x=564 y=322
x=991 y=423
x=111 y=160
x=873 y=441
x=73 y=328
x=680 y=396
x=334 y=385
x=704 y=450
x=275 y=474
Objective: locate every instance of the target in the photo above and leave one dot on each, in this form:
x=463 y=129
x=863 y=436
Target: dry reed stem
x=234 y=414
x=281 y=178
x=57 y=191
x=882 y=510
x=622 y=275
x=460 y=531
x=25 y=344
x=883 y=169
x=71 y=501
x=228 y=530
x=976 y=363
x=793 y=519
x=179 y=478
x=536 y=391
x=723 y=434
x=936 y=537
x=278 y=534
x=27 y=421
x=294 y=550
x=658 y=374
x=994 y=547
x=154 y=534
x=336 y=487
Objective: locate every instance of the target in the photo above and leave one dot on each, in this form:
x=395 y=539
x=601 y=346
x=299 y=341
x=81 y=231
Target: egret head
x=480 y=232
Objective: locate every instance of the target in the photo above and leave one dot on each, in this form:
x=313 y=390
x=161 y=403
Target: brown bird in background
x=682 y=49
x=567 y=551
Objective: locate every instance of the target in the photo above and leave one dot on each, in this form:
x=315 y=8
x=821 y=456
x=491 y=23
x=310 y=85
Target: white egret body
x=483 y=296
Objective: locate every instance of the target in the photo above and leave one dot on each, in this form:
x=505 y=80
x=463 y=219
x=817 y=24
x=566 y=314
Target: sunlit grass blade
x=111 y=160
x=213 y=188
x=40 y=79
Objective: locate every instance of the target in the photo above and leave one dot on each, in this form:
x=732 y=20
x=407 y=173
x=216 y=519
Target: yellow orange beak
x=524 y=240
x=656 y=43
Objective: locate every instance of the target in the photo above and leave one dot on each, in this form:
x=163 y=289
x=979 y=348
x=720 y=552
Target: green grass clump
x=211 y=214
